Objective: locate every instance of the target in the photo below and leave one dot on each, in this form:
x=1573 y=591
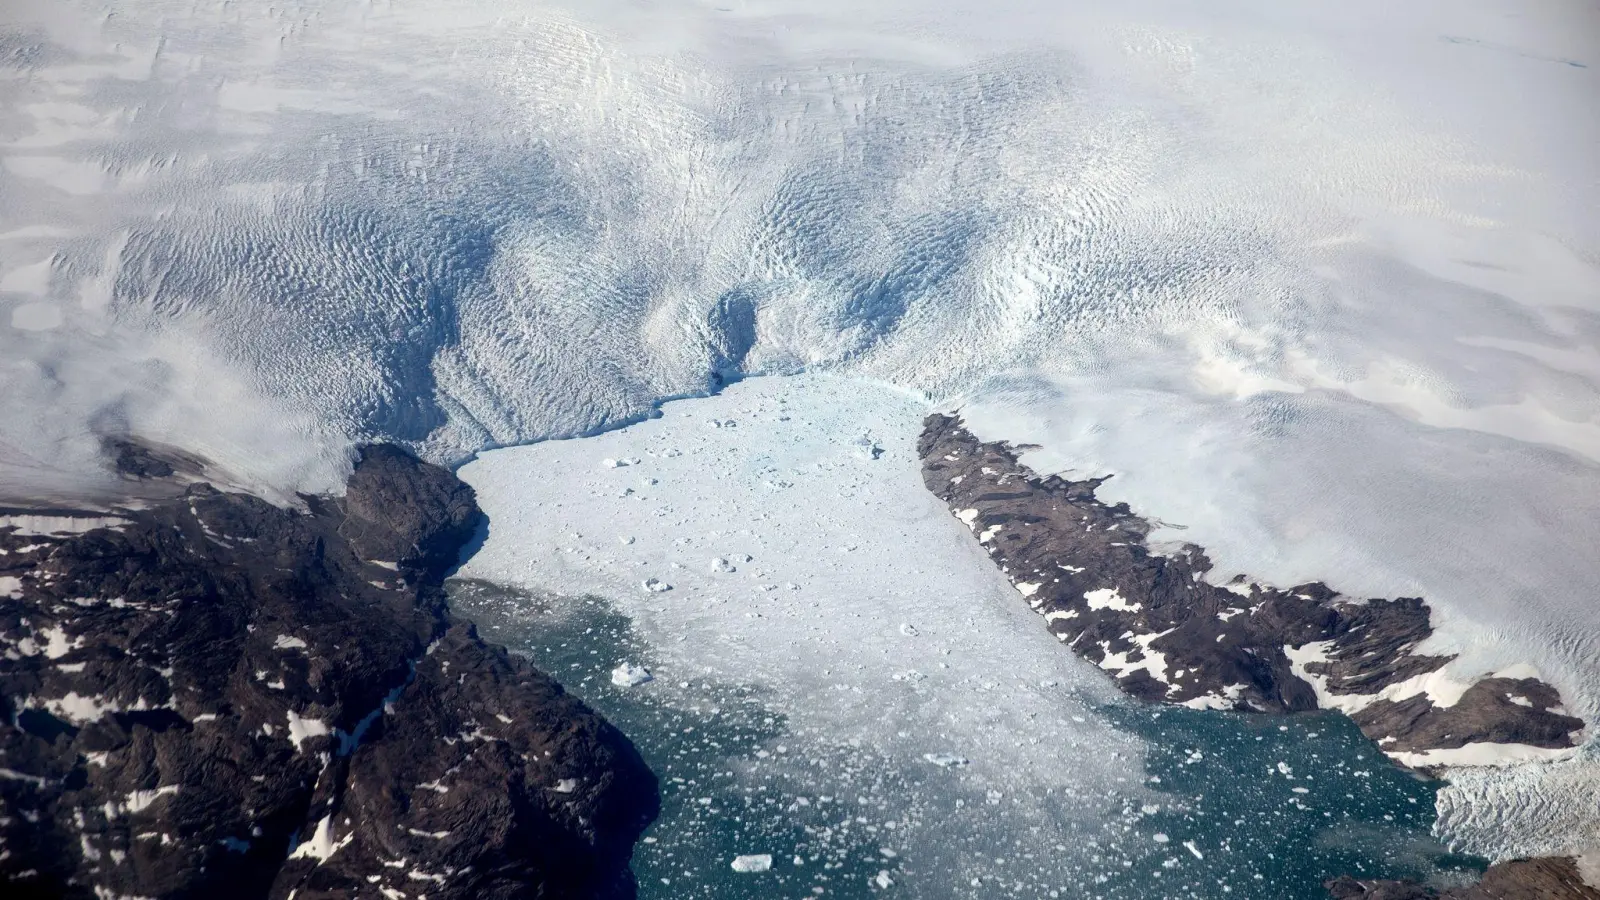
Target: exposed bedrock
x=215 y=696
x=1166 y=635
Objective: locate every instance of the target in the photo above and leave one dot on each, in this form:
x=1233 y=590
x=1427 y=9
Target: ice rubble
x=886 y=584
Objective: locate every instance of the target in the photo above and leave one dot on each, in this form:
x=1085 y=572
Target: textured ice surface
x=1343 y=255
x=258 y=230
x=858 y=603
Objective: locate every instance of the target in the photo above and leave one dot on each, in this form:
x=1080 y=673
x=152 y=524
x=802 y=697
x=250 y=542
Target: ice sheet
x=255 y=232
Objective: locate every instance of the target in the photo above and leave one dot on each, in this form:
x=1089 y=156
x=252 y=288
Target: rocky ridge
x=1166 y=635
x=217 y=695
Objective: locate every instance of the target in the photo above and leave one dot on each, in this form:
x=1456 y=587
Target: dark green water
x=1236 y=806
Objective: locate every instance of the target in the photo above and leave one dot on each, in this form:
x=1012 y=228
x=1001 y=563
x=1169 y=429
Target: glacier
x=1320 y=285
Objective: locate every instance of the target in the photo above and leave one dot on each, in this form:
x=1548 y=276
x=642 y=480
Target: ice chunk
x=752 y=862
x=946 y=760
x=629 y=675
x=656 y=585
x=722 y=565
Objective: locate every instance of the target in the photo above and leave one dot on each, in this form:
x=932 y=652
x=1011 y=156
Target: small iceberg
x=754 y=862
x=629 y=675
x=656 y=585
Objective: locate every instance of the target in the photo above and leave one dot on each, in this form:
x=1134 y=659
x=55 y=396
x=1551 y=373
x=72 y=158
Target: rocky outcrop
x=215 y=696
x=1166 y=635
x=1524 y=879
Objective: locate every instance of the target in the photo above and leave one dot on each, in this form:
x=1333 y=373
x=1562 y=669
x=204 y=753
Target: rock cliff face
x=1166 y=635
x=214 y=696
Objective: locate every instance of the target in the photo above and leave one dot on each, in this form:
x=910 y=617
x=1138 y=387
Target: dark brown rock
x=1169 y=636
x=220 y=697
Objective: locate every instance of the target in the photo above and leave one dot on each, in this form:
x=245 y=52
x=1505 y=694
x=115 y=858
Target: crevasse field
x=1318 y=283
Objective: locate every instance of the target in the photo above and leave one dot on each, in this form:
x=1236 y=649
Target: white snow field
x=1319 y=281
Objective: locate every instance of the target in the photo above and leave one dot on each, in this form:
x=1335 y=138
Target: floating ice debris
x=568 y=785
x=882 y=879
x=721 y=565
x=610 y=463
x=868 y=448
x=753 y=862
x=908 y=629
x=656 y=585
x=630 y=675
x=1161 y=838
x=1189 y=845
x=626 y=540
x=947 y=760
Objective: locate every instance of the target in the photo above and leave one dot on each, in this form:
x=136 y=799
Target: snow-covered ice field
x=1321 y=282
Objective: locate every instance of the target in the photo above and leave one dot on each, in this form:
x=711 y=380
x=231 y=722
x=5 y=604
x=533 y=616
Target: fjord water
x=841 y=671
x=1218 y=805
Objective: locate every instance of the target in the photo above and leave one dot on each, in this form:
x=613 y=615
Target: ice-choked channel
x=840 y=679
